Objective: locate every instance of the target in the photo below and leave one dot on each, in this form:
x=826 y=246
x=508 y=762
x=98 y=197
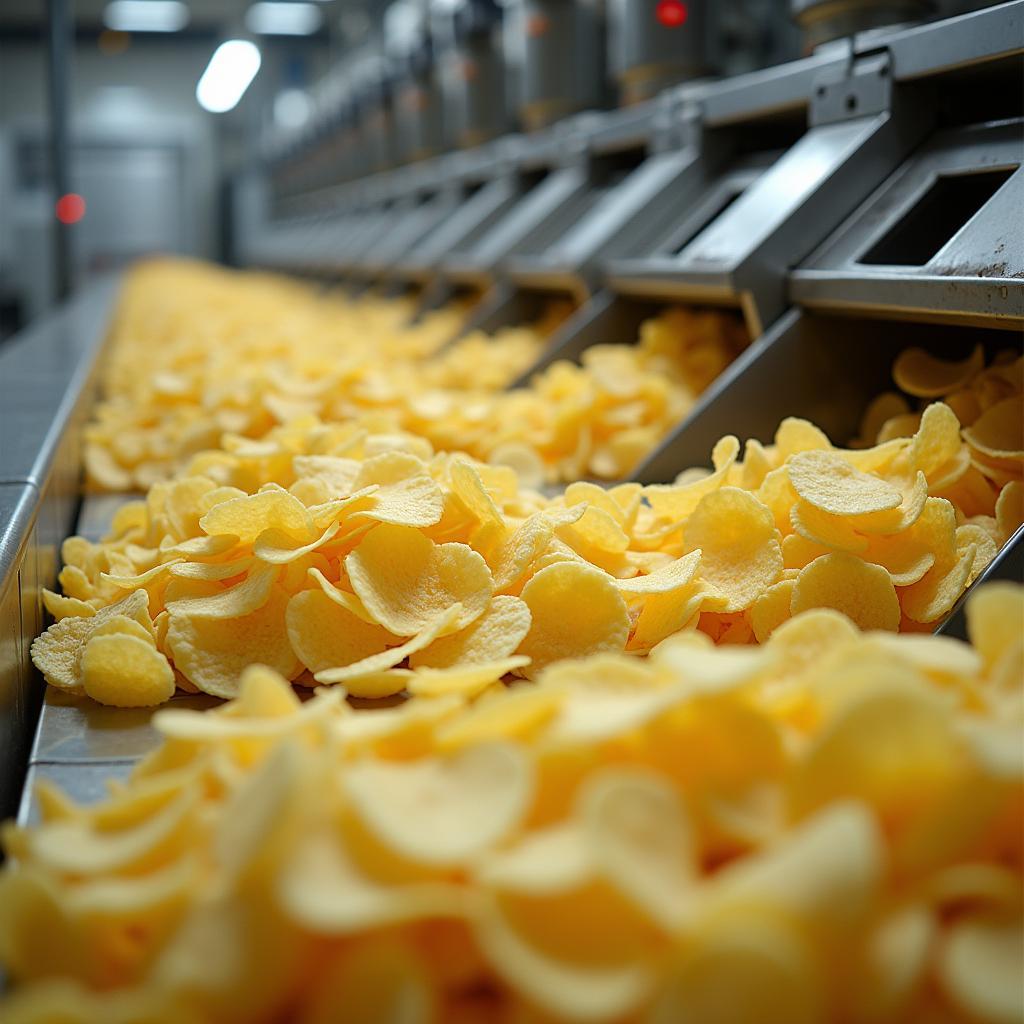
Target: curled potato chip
x=979 y=966
x=740 y=552
x=246 y=518
x=494 y=636
x=772 y=609
x=442 y=811
x=781 y=982
x=827 y=481
x=125 y=671
x=374 y=664
x=999 y=431
x=211 y=652
x=407 y=495
x=936 y=441
x=468 y=680
x=575 y=610
x=324 y=635
x=57 y=652
x=670 y=578
x=241 y=599
x=405 y=581
x=918 y=372
x=860 y=590
x=1009 y=510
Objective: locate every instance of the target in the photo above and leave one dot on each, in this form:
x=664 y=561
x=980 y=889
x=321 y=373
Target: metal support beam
x=59 y=42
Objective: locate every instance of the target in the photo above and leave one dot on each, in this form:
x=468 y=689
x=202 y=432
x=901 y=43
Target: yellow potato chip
x=999 y=431
x=979 y=966
x=125 y=671
x=278 y=548
x=466 y=680
x=407 y=495
x=575 y=610
x=442 y=811
x=241 y=599
x=246 y=518
x=57 y=652
x=494 y=636
x=405 y=581
x=936 y=441
x=828 y=482
x=860 y=590
x=211 y=652
x=772 y=609
x=932 y=596
x=675 y=576
x=919 y=373
x=796 y=435
x=740 y=551
x=324 y=635
x=881 y=408
x=61 y=607
x=1009 y=510
x=469 y=488
x=897 y=519
x=376 y=663
x=985 y=548
x=826 y=529
x=662 y=615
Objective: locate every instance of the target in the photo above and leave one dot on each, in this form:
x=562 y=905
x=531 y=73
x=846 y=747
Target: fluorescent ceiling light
x=283 y=19
x=146 y=15
x=232 y=67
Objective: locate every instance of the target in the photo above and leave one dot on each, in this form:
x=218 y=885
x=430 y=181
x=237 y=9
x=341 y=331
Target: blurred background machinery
x=341 y=91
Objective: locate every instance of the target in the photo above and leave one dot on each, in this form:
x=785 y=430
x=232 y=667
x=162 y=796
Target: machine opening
x=677 y=245
x=950 y=202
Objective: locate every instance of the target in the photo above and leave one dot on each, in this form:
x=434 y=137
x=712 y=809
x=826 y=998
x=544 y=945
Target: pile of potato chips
x=825 y=828
x=198 y=353
x=349 y=553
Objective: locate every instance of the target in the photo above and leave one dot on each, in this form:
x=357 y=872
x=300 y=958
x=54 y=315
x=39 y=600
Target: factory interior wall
x=136 y=123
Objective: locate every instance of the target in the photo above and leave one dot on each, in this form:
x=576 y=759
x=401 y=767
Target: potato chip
x=211 y=652
x=494 y=636
x=932 y=597
x=772 y=609
x=825 y=529
x=389 y=658
x=467 y=680
x=673 y=577
x=575 y=610
x=1009 y=510
x=860 y=590
x=740 y=552
x=828 y=482
x=999 y=431
x=61 y=607
x=125 y=671
x=241 y=599
x=57 y=652
x=422 y=810
x=246 y=518
x=405 y=581
x=936 y=441
x=979 y=967
x=324 y=635
x=919 y=373
x=407 y=495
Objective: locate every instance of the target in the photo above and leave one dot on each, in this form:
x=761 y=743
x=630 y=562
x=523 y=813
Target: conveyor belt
x=79 y=744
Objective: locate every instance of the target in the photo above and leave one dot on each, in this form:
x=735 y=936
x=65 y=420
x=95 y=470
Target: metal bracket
x=856 y=88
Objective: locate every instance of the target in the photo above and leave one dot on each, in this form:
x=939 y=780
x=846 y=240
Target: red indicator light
x=70 y=208
x=671 y=13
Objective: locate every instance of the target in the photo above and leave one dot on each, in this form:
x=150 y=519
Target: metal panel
x=824 y=369
x=976 y=276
